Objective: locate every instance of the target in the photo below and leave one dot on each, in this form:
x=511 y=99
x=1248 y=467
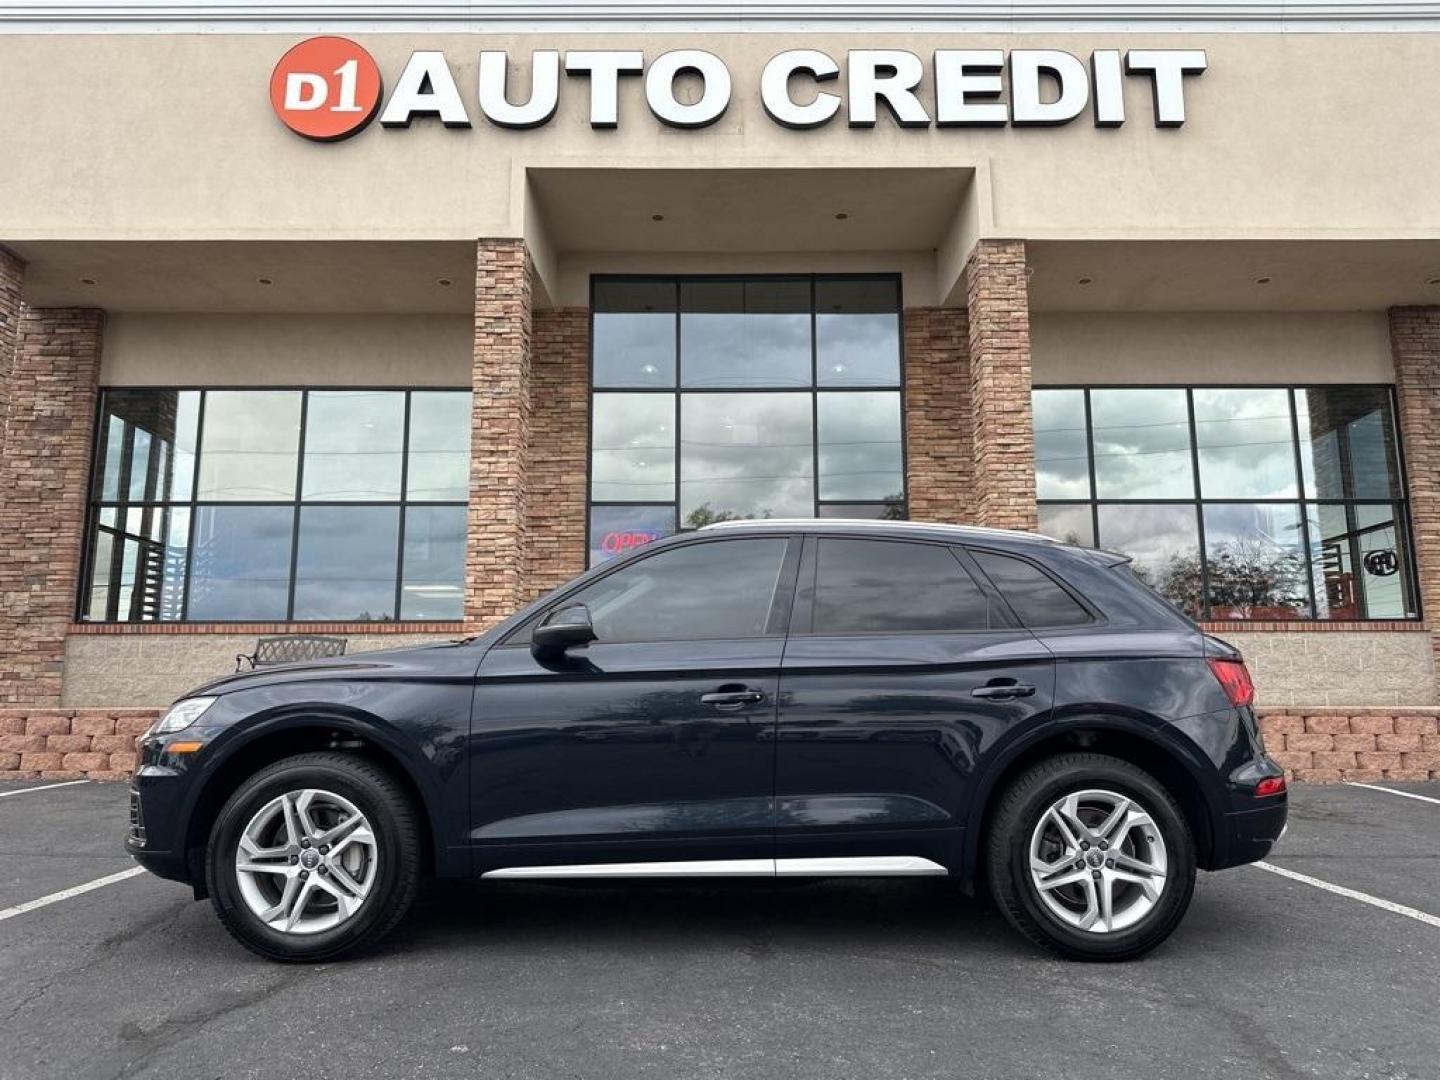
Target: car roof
x=881 y=528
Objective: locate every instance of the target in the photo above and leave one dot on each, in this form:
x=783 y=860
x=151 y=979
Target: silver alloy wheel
x=1097 y=859
x=306 y=861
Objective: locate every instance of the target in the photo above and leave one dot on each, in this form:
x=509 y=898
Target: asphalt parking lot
x=1267 y=976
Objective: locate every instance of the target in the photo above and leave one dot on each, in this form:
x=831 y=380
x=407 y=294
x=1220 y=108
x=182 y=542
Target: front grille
x=137 y=820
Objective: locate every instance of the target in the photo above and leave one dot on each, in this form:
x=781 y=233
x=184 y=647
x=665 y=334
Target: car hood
x=397 y=660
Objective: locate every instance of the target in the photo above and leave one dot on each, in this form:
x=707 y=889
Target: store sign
x=329 y=88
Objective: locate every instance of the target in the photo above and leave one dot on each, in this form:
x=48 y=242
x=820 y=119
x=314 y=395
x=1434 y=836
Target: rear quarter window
x=1038 y=599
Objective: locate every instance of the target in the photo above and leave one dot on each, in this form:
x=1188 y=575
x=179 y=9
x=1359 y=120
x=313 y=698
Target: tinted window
x=878 y=586
x=700 y=592
x=1033 y=594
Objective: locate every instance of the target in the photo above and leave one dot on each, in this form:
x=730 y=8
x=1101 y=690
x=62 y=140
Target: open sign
x=617 y=543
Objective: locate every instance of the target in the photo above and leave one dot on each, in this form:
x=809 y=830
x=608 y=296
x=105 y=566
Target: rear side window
x=1032 y=593
x=879 y=587
x=712 y=591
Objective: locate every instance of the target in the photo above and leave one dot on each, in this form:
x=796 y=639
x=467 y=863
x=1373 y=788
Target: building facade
x=378 y=326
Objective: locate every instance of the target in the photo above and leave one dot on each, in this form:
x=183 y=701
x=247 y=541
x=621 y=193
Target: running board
x=867 y=866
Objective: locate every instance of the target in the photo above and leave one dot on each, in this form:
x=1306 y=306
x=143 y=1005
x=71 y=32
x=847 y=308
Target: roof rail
x=881 y=526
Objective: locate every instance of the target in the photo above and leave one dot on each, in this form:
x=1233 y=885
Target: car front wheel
x=313 y=857
x=1091 y=857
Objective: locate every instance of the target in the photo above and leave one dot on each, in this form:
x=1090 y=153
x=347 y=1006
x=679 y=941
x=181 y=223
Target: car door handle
x=1003 y=691
x=726 y=698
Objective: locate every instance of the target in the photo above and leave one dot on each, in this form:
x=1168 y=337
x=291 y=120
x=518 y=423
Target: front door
x=653 y=744
x=901 y=668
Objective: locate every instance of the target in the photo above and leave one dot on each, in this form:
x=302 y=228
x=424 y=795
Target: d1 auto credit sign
x=326 y=88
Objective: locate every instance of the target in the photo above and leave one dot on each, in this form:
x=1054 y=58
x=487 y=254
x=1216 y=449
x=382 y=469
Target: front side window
x=717 y=399
x=712 y=591
x=1235 y=502
x=277 y=505
x=888 y=586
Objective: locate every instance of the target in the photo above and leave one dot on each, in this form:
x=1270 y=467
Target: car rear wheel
x=314 y=857
x=1091 y=857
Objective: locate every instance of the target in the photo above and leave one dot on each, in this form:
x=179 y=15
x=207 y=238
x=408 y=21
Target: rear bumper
x=1250 y=834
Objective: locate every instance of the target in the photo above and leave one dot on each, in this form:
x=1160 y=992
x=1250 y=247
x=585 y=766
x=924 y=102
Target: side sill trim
x=868 y=866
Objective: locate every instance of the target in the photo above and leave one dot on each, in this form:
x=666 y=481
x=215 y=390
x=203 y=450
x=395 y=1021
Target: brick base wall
x=1326 y=746
x=70 y=744
x=1319 y=746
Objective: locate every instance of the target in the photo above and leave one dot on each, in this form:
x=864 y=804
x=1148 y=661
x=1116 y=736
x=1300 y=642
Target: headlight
x=181 y=715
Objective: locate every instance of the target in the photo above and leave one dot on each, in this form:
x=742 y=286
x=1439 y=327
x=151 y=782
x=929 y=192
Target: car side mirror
x=562 y=630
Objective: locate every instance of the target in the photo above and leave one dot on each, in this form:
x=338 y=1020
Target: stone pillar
x=12 y=276
x=560 y=433
x=496 y=559
x=940 y=452
x=1004 y=432
x=1415 y=345
x=44 y=475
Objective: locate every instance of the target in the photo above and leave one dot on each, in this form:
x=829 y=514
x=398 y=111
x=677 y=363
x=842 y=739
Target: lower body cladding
x=873 y=866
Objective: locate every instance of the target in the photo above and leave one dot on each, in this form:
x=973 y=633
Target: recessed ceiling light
x=1433 y=281
x=444 y=282
x=1083 y=281
x=1262 y=280
x=265 y=281
x=657 y=217
x=87 y=281
x=841 y=216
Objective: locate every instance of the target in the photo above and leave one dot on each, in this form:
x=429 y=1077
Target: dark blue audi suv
x=767 y=699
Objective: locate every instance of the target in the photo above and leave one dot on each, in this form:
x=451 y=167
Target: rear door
x=902 y=667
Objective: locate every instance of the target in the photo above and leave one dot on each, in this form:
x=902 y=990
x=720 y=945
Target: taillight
x=1271 y=785
x=1234 y=679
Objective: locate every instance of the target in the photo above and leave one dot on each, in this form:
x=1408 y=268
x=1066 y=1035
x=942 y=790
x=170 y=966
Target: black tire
x=393 y=819
x=1015 y=818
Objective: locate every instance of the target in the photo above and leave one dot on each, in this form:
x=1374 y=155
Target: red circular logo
x=326 y=88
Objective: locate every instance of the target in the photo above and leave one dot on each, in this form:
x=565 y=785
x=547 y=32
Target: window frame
x=678 y=391
x=1399 y=505
x=96 y=503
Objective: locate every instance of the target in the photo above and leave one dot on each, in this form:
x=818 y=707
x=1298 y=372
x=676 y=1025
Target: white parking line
x=1392 y=791
x=1365 y=898
x=42 y=787
x=66 y=894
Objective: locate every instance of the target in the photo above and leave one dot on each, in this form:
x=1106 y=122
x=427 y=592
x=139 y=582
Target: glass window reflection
x=745 y=456
x=1358 y=559
x=633 y=448
x=1068 y=524
x=438 y=465
x=345 y=567
x=1348 y=442
x=752 y=333
x=633 y=333
x=860 y=451
x=433 y=576
x=1255 y=562
x=251 y=445
x=1245 y=443
x=1062 y=455
x=1142 y=444
x=1164 y=542
x=354 y=443
x=240 y=565
x=857 y=332
x=619 y=530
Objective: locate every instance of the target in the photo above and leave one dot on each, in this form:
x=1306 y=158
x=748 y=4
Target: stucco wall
x=199 y=349
x=1339 y=667
x=152 y=670
x=1211 y=347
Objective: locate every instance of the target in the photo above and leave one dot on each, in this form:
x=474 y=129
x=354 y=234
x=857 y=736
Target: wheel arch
x=1170 y=762
x=299 y=733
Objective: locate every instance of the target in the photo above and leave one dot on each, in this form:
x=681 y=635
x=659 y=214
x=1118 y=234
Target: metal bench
x=289 y=649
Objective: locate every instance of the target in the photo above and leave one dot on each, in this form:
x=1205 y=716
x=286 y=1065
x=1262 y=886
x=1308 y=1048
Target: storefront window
x=723 y=398
x=1258 y=503
x=272 y=505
